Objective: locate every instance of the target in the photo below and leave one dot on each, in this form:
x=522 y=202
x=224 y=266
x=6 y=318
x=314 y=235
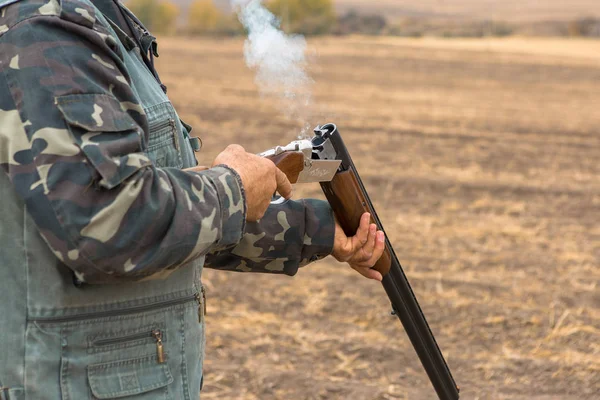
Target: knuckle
x=235 y=147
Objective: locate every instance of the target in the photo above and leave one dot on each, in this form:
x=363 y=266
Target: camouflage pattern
x=73 y=142
x=289 y=236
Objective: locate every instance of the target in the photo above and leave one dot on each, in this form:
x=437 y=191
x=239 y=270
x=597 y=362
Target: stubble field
x=482 y=160
x=505 y=10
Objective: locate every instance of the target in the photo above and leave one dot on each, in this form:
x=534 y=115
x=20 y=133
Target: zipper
x=124 y=311
x=155 y=334
x=121 y=339
x=165 y=124
x=203 y=298
x=160 y=353
x=175 y=135
x=162 y=124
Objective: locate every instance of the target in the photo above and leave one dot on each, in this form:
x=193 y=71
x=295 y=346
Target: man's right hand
x=260 y=178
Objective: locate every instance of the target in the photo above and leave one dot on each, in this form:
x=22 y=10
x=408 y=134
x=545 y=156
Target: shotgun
x=325 y=159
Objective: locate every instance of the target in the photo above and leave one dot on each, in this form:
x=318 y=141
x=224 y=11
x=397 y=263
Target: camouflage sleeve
x=71 y=141
x=289 y=236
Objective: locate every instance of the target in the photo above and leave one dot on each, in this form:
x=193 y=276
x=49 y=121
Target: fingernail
x=380 y=236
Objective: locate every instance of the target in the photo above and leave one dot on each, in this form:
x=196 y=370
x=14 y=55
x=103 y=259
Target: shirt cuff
x=319 y=231
x=232 y=201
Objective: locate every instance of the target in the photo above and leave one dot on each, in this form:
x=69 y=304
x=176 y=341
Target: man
x=106 y=222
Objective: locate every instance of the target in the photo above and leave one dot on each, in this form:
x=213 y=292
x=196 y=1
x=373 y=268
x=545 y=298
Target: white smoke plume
x=278 y=59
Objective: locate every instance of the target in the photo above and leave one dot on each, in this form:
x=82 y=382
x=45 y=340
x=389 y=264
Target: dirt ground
x=482 y=160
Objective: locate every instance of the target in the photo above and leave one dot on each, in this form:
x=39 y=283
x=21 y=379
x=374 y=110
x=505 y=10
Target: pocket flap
x=128 y=377
x=108 y=136
x=95 y=112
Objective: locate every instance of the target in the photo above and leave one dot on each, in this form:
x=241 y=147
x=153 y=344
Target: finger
x=367 y=250
x=284 y=187
x=369 y=273
x=377 y=251
x=362 y=233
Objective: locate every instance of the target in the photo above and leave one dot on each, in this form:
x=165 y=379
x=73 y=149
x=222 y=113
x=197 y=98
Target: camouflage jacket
x=73 y=142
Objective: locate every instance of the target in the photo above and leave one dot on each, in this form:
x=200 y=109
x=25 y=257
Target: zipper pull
x=160 y=353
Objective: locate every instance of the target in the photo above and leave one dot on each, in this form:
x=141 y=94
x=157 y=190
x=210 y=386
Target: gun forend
x=349 y=203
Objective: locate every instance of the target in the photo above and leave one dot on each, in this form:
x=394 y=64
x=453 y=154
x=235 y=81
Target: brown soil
x=482 y=161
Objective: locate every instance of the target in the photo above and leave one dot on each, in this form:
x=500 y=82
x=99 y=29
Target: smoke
x=278 y=59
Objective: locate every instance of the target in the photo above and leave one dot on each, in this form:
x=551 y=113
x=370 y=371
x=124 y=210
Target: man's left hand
x=362 y=250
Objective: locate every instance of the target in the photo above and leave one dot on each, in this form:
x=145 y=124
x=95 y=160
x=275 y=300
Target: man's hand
x=260 y=178
x=362 y=250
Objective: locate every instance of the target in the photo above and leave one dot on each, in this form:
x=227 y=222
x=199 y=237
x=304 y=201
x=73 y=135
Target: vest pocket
x=164 y=139
x=128 y=377
x=146 y=350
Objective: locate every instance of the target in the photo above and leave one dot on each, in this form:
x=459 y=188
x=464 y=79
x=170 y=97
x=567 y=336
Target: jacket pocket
x=165 y=136
x=108 y=136
x=131 y=377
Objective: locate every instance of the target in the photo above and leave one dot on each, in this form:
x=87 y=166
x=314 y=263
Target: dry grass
x=505 y=10
x=482 y=158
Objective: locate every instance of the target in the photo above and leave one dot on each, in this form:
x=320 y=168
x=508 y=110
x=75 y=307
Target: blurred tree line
x=159 y=16
x=309 y=17
x=318 y=17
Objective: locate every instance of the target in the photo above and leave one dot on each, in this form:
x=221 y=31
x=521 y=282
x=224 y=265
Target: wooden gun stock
x=290 y=162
